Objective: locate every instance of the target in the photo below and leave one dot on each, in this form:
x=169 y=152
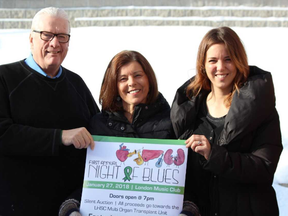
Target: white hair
x=51 y=11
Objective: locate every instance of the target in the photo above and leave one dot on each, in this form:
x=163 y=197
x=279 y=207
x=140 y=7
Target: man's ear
x=31 y=41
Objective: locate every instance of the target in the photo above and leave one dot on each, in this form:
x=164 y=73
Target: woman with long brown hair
x=131 y=103
x=227 y=115
x=131 y=107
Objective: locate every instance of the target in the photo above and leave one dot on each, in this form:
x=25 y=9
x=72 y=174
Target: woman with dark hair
x=227 y=115
x=131 y=103
x=131 y=107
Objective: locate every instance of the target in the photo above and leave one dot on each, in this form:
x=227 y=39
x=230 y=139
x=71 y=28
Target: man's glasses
x=48 y=36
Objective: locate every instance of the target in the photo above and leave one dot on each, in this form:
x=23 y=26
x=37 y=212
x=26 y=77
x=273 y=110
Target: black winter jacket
x=237 y=178
x=36 y=170
x=149 y=121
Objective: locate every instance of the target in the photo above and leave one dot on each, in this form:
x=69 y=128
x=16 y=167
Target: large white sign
x=133 y=176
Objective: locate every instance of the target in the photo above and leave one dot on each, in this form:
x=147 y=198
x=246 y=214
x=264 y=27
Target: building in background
x=241 y=13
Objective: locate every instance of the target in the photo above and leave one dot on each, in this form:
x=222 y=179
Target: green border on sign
x=134 y=187
x=138 y=140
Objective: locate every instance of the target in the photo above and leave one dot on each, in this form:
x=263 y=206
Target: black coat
x=237 y=178
x=149 y=121
x=36 y=170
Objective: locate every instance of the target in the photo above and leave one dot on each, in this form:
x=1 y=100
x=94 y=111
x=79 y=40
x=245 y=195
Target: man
x=44 y=110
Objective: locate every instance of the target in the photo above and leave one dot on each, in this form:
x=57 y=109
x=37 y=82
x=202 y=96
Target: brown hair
x=109 y=91
x=236 y=50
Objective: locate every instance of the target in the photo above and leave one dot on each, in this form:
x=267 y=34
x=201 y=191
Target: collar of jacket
x=142 y=111
x=249 y=108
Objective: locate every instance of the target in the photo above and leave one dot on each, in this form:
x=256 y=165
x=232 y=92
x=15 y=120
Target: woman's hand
x=199 y=144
